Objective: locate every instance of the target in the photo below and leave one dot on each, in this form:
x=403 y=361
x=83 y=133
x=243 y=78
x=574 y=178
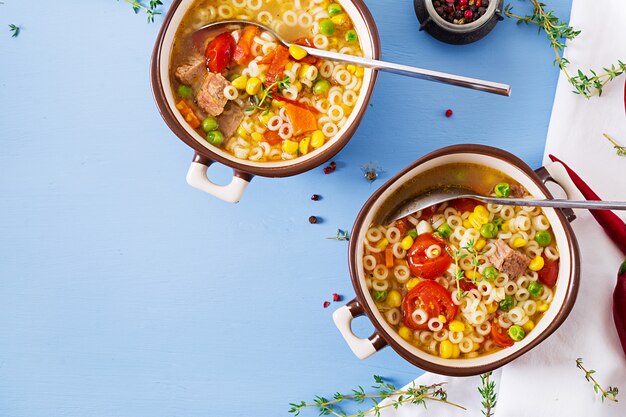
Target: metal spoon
x=441 y=195
x=441 y=77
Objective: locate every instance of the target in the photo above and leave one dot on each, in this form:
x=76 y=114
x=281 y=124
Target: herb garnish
x=413 y=395
x=621 y=150
x=341 y=235
x=151 y=11
x=15 y=30
x=610 y=394
x=459 y=274
x=557 y=31
x=488 y=391
x=264 y=102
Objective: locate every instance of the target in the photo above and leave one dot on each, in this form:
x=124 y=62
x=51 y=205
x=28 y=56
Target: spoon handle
x=577 y=204
x=424 y=74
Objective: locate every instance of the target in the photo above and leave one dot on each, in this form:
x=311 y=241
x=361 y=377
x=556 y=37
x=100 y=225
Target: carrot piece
x=188 y=114
x=242 y=54
x=272 y=137
x=277 y=66
x=302 y=120
x=388 y=258
x=267 y=59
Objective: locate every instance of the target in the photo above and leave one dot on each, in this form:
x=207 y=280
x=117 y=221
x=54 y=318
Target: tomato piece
x=296 y=103
x=428 y=212
x=466 y=285
x=431 y=297
x=464 y=204
x=423 y=266
x=549 y=272
x=277 y=66
x=242 y=54
x=272 y=137
x=500 y=336
x=267 y=59
x=403 y=225
x=219 y=52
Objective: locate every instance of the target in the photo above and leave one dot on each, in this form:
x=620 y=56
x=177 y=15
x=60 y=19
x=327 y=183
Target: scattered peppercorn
x=448 y=112
x=315 y=197
x=336 y=297
x=312 y=219
x=332 y=167
x=461 y=12
x=326 y=304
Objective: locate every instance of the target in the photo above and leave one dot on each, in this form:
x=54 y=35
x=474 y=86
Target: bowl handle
x=362 y=348
x=556 y=173
x=231 y=193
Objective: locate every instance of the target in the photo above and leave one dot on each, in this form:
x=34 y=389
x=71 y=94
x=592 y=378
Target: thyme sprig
x=619 y=149
x=15 y=30
x=263 y=103
x=151 y=10
x=557 y=31
x=459 y=274
x=341 y=235
x=418 y=395
x=488 y=391
x=610 y=393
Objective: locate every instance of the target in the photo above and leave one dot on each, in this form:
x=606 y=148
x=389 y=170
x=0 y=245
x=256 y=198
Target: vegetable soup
x=253 y=97
x=463 y=278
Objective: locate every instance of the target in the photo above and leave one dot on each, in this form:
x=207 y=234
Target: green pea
x=334 y=9
x=184 y=91
x=489 y=230
x=516 y=332
x=543 y=237
x=444 y=230
x=502 y=189
x=321 y=87
x=498 y=221
x=535 y=288
x=209 y=124
x=490 y=273
x=380 y=295
x=350 y=36
x=215 y=137
x=412 y=233
x=327 y=27
x=507 y=304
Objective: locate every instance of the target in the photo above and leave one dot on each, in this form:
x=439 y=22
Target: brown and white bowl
x=244 y=171
x=393 y=193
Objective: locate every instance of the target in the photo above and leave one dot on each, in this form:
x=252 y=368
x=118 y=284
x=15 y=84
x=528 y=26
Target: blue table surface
x=125 y=292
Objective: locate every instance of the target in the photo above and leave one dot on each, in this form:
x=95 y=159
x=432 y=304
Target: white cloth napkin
x=546 y=381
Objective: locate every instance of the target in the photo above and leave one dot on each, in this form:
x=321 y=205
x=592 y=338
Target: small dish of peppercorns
x=458 y=21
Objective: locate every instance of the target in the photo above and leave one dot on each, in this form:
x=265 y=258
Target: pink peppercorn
x=448 y=112
x=326 y=304
x=468 y=14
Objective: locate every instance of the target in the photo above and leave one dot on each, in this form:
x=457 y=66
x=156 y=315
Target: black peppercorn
x=312 y=219
x=439 y=11
x=458 y=14
x=315 y=197
x=436 y=4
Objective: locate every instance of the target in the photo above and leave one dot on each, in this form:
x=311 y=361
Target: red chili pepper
x=619 y=306
x=610 y=222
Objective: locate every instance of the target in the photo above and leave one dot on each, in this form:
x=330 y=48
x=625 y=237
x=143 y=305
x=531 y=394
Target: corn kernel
x=481 y=211
x=241 y=131
x=405 y=333
x=472 y=275
x=528 y=326
x=394 y=299
x=265 y=117
x=412 y=283
x=406 y=243
x=442 y=318
x=467 y=224
x=382 y=244
x=277 y=104
x=257 y=136
x=304 y=68
x=519 y=242
x=480 y=244
x=240 y=82
x=289 y=66
x=351 y=68
x=474 y=221
x=491 y=308
x=446 y=349
x=304 y=145
x=542 y=307
x=290 y=146
x=297 y=52
x=456 y=351
x=457 y=326
x=332 y=41
x=253 y=86
x=340 y=19
x=505 y=226
x=359 y=71
x=317 y=140
x=298 y=85
x=536 y=263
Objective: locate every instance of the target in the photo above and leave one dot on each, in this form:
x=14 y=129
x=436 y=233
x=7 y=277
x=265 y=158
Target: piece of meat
x=230 y=119
x=517 y=191
x=508 y=260
x=192 y=73
x=210 y=97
